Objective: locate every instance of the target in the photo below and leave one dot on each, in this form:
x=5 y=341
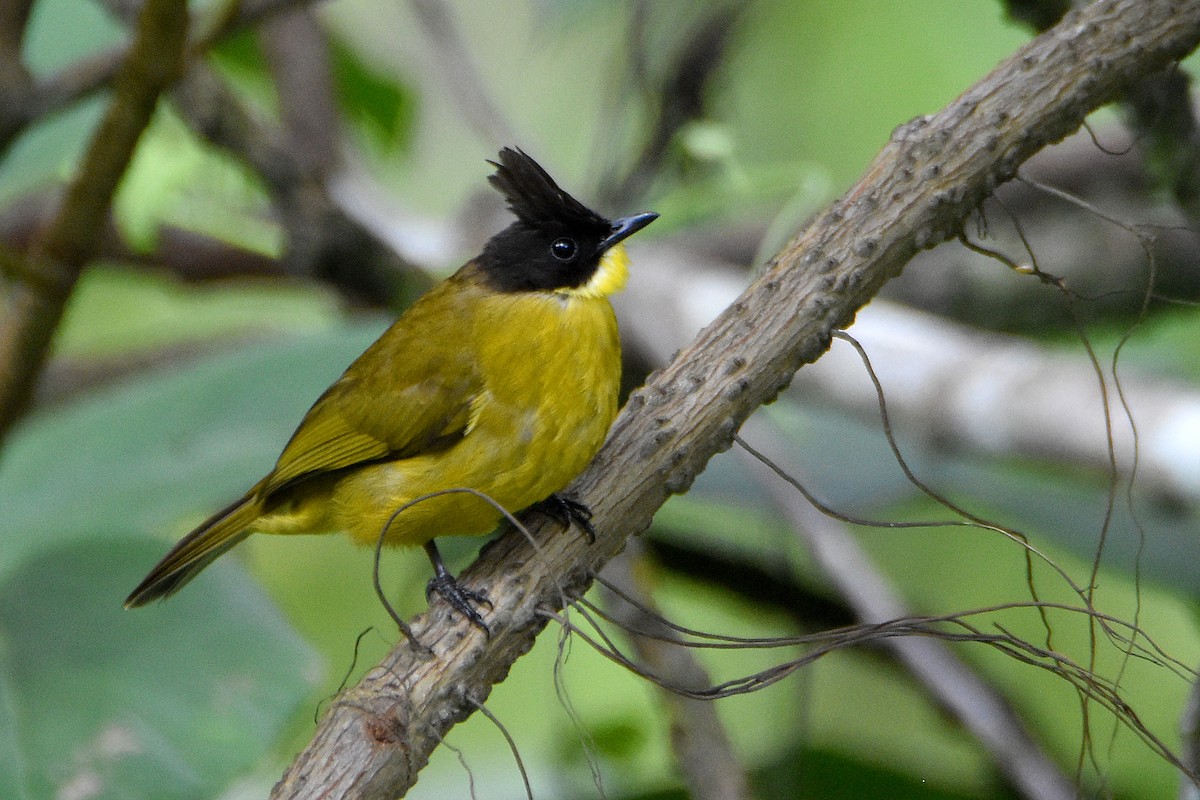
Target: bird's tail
x=197 y=550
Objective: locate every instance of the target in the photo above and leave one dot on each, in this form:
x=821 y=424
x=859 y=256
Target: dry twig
x=957 y=689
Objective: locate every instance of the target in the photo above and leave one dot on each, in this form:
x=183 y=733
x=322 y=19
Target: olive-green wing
x=409 y=392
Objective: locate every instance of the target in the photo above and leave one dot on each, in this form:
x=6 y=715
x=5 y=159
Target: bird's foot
x=463 y=600
x=567 y=511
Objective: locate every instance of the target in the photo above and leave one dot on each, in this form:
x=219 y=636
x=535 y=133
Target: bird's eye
x=563 y=249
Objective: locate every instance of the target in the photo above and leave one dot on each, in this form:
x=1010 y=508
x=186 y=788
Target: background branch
x=957 y=689
x=323 y=241
x=954 y=388
x=91 y=74
x=701 y=744
x=681 y=98
x=15 y=81
x=929 y=177
x=49 y=271
x=298 y=54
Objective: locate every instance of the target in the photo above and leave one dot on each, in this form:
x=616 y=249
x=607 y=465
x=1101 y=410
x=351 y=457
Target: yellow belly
x=550 y=395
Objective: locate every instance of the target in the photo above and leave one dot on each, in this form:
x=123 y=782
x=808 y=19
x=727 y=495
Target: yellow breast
x=551 y=373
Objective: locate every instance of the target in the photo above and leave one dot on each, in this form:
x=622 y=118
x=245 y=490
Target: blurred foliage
x=173 y=704
x=218 y=688
x=177 y=180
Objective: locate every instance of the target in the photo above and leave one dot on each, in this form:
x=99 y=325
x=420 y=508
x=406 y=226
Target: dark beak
x=624 y=227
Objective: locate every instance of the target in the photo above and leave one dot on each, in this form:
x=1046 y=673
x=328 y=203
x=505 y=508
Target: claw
x=461 y=598
x=567 y=511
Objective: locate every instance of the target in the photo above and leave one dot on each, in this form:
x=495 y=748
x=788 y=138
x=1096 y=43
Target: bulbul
x=503 y=379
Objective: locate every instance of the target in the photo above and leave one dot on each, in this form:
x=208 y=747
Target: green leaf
x=177 y=179
x=177 y=699
x=375 y=102
x=115 y=312
x=167 y=702
x=241 y=58
x=60 y=31
x=832 y=776
x=46 y=152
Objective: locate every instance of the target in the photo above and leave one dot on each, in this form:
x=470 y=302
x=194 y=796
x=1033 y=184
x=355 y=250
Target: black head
x=556 y=242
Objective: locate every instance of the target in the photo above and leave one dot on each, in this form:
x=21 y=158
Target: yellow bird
x=503 y=379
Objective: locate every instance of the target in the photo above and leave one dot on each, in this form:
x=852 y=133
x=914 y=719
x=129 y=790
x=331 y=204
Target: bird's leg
x=461 y=598
x=567 y=511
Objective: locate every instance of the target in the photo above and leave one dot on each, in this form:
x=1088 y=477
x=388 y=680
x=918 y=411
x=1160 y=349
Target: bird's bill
x=624 y=227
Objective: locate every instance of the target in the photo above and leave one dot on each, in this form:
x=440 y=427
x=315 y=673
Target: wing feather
x=400 y=398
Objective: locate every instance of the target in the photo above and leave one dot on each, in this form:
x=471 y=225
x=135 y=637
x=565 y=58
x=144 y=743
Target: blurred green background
x=194 y=387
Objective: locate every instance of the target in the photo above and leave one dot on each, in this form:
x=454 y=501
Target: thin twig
x=976 y=705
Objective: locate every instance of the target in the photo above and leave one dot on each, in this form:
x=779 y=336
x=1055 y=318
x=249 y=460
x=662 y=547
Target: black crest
x=534 y=196
x=555 y=242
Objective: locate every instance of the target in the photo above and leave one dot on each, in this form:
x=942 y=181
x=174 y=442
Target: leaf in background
x=807 y=772
x=60 y=31
x=240 y=59
x=153 y=455
x=46 y=152
x=167 y=702
x=116 y=312
x=176 y=179
x=378 y=105
x=375 y=103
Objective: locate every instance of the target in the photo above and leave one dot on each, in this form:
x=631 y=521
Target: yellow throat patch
x=609 y=278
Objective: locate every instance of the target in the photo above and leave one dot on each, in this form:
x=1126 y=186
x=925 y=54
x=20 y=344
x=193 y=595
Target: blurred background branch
x=45 y=279
x=700 y=743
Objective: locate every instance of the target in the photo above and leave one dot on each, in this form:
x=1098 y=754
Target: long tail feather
x=197 y=550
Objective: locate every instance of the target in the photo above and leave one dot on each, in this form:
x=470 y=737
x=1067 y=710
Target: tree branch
x=928 y=178
x=298 y=53
x=91 y=74
x=47 y=274
x=15 y=81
